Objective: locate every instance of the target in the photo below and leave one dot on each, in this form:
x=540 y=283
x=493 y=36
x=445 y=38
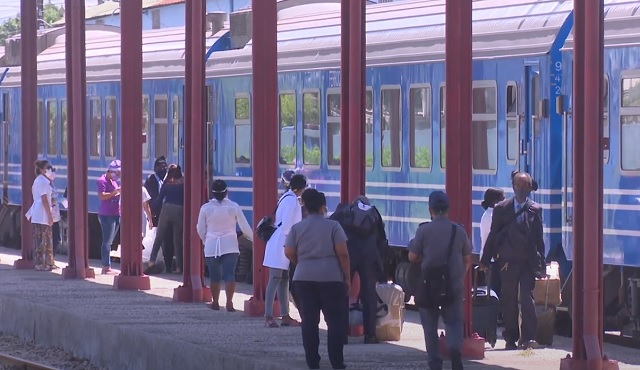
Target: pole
x=131 y=276
x=459 y=142
x=264 y=136
x=345 y=103
x=77 y=170
x=29 y=85
x=193 y=288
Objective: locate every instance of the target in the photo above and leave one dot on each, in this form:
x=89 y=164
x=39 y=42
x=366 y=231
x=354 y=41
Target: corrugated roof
x=168 y=2
x=110 y=8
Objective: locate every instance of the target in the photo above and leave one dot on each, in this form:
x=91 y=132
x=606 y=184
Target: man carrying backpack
x=444 y=252
x=365 y=233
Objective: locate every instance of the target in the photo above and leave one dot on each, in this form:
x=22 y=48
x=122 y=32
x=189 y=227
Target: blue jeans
x=278 y=281
x=452 y=317
x=222 y=268
x=110 y=226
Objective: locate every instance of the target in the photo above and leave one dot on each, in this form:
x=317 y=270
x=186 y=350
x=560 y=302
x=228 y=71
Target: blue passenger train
x=521 y=114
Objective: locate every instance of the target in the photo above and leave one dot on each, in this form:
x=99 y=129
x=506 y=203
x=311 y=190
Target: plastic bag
x=147 y=243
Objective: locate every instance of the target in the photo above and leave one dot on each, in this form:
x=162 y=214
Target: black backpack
x=434 y=288
x=266 y=227
x=362 y=220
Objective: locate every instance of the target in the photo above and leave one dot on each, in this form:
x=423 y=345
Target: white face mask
x=50 y=174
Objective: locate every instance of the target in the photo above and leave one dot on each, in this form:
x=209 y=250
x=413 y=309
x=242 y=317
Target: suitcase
x=546 y=315
x=484 y=319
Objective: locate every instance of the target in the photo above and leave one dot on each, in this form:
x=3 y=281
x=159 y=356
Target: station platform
x=146 y=330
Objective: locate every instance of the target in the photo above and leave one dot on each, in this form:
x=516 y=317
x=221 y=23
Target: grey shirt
x=432 y=242
x=314 y=239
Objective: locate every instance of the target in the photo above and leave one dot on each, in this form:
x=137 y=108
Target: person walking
x=441 y=244
x=41 y=217
x=318 y=248
x=153 y=184
x=517 y=245
x=109 y=211
x=492 y=196
x=216 y=227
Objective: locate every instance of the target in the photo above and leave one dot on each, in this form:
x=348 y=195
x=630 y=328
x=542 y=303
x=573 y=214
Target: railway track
x=621 y=340
x=16 y=363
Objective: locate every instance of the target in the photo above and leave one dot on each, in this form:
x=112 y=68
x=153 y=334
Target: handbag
x=266 y=227
x=434 y=288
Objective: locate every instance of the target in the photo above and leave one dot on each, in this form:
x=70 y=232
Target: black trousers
x=292 y=290
x=516 y=275
x=167 y=244
x=330 y=298
x=369 y=275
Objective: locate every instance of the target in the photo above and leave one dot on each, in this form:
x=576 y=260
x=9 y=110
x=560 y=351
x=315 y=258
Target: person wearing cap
x=430 y=248
x=109 y=211
x=153 y=184
x=492 y=196
x=216 y=227
x=288 y=213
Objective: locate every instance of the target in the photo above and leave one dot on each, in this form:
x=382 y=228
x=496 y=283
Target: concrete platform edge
x=110 y=345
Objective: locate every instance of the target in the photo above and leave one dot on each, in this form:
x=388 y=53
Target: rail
x=22 y=364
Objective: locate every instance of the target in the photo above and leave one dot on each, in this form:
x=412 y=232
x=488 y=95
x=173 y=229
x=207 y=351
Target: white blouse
x=217 y=227
x=485 y=227
x=289 y=213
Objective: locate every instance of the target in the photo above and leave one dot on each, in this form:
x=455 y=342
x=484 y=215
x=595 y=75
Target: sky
x=11 y=8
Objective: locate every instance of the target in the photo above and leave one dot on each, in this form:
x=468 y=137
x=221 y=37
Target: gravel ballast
x=48 y=356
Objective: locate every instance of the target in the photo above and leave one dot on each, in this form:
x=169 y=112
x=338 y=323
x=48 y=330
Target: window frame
x=240 y=122
x=54 y=103
x=383 y=88
x=162 y=121
x=442 y=121
x=295 y=126
x=320 y=110
x=411 y=145
x=483 y=117
x=626 y=111
x=89 y=111
x=369 y=89
x=104 y=123
x=63 y=103
x=147 y=134
x=175 y=124
x=333 y=120
x=606 y=117
x=508 y=117
x=40 y=121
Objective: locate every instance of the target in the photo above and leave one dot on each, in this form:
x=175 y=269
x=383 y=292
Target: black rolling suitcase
x=484 y=320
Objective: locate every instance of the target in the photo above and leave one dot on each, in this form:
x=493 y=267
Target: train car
x=621 y=159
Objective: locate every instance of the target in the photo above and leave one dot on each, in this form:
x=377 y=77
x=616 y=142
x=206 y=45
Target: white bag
x=147 y=243
x=389 y=326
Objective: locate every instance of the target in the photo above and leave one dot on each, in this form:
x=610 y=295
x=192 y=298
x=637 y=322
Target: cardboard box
x=389 y=327
x=547 y=292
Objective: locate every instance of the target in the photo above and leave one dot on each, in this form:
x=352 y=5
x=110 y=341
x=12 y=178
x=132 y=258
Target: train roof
x=397 y=33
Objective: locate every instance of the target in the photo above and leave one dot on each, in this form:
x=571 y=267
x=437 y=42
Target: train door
x=210 y=136
x=177 y=129
x=530 y=129
x=4 y=145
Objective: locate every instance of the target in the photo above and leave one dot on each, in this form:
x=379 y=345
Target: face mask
x=522 y=194
x=50 y=175
x=115 y=176
x=161 y=173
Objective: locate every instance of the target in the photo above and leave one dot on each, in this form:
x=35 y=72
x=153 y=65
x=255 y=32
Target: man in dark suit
x=516 y=242
x=153 y=185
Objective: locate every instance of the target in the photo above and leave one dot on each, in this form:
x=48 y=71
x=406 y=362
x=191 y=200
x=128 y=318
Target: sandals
x=42 y=268
x=231 y=309
x=271 y=324
x=215 y=306
x=290 y=323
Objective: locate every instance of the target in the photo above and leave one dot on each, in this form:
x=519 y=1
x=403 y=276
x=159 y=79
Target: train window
x=242 y=125
x=160 y=122
x=631 y=92
x=391 y=127
x=176 y=115
x=513 y=134
x=368 y=117
x=5 y=107
x=287 y=114
x=443 y=126
x=420 y=127
x=485 y=131
x=630 y=124
x=110 y=127
x=95 y=132
x=311 y=128
x=605 y=119
x=334 y=107
x=146 y=113
x=64 y=133
x=52 y=127
x=40 y=122
x=211 y=104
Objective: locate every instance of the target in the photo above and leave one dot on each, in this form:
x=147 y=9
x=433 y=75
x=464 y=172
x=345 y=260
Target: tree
x=11 y=26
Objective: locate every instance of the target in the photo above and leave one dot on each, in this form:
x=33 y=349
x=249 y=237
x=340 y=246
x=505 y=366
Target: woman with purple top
x=109 y=211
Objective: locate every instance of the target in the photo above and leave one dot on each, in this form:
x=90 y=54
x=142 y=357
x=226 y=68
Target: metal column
x=131 y=276
x=345 y=104
x=77 y=148
x=29 y=85
x=587 y=228
x=459 y=142
x=193 y=288
x=264 y=135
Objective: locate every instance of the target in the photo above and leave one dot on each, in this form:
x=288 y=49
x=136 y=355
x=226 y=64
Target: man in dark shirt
x=516 y=242
x=153 y=184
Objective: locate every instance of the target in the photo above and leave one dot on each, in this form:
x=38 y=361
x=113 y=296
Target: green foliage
x=369 y=160
x=311 y=109
x=52 y=13
x=242 y=108
x=287 y=110
x=11 y=26
x=443 y=159
x=422 y=158
x=288 y=154
x=312 y=156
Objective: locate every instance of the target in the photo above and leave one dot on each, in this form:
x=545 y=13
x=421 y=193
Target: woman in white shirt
x=41 y=217
x=217 y=228
x=491 y=197
x=288 y=213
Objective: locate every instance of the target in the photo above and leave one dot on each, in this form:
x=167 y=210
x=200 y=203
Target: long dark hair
x=174 y=174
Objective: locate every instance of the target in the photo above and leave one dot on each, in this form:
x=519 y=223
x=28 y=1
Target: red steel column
x=264 y=136
x=458 y=68
x=193 y=288
x=29 y=85
x=131 y=276
x=77 y=148
x=345 y=103
x=588 y=67
x=357 y=66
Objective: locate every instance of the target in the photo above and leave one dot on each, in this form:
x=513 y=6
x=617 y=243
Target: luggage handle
x=475 y=280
